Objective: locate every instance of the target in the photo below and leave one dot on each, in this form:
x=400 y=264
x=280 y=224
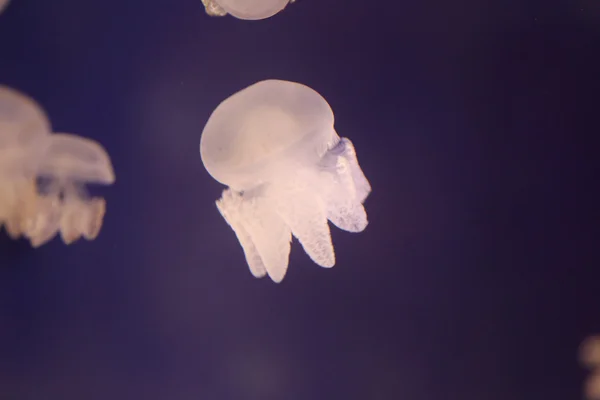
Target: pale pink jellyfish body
x=288 y=172
x=70 y=162
x=590 y=357
x=24 y=136
x=245 y=9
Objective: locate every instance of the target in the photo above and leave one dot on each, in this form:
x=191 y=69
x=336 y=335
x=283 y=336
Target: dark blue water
x=477 y=277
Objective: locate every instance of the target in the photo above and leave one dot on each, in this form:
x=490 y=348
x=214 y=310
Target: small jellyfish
x=288 y=172
x=245 y=9
x=64 y=205
x=24 y=136
x=589 y=355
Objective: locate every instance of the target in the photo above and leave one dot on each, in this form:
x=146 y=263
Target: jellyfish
x=589 y=352
x=64 y=204
x=3 y=4
x=589 y=355
x=592 y=386
x=24 y=136
x=287 y=171
x=245 y=9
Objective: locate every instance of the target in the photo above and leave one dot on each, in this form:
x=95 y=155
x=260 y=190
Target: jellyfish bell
x=245 y=9
x=24 y=132
x=269 y=123
x=74 y=160
x=288 y=172
x=70 y=163
x=24 y=137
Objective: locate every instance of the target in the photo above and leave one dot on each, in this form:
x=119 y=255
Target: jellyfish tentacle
x=361 y=184
x=93 y=218
x=72 y=210
x=45 y=223
x=83 y=216
x=343 y=208
x=20 y=197
x=213 y=9
x=269 y=233
x=304 y=212
x=229 y=205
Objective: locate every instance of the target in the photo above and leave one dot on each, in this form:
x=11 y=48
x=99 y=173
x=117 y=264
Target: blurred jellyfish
x=245 y=9
x=64 y=205
x=24 y=136
x=590 y=352
x=590 y=357
x=288 y=172
x=64 y=163
x=3 y=4
x=592 y=386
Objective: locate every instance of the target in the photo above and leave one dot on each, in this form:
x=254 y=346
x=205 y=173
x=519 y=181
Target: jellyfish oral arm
x=44 y=224
x=303 y=210
x=345 y=149
x=213 y=9
x=344 y=187
x=229 y=205
x=263 y=235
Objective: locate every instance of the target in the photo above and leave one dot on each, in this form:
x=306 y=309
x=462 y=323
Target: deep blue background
x=477 y=277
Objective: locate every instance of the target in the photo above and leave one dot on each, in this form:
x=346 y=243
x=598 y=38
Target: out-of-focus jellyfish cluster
x=288 y=172
x=43 y=176
x=590 y=357
x=245 y=9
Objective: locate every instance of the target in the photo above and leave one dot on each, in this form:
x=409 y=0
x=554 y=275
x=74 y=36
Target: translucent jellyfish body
x=64 y=205
x=590 y=357
x=590 y=352
x=245 y=9
x=288 y=172
x=3 y=4
x=24 y=136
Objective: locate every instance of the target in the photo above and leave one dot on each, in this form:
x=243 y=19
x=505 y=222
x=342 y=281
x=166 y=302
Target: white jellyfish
x=245 y=9
x=64 y=205
x=288 y=172
x=24 y=136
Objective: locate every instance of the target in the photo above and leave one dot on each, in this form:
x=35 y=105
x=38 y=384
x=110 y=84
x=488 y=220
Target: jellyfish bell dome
x=70 y=162
x=24 y=133
x=252 y=9
x=261 y=132
x=73 y=158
